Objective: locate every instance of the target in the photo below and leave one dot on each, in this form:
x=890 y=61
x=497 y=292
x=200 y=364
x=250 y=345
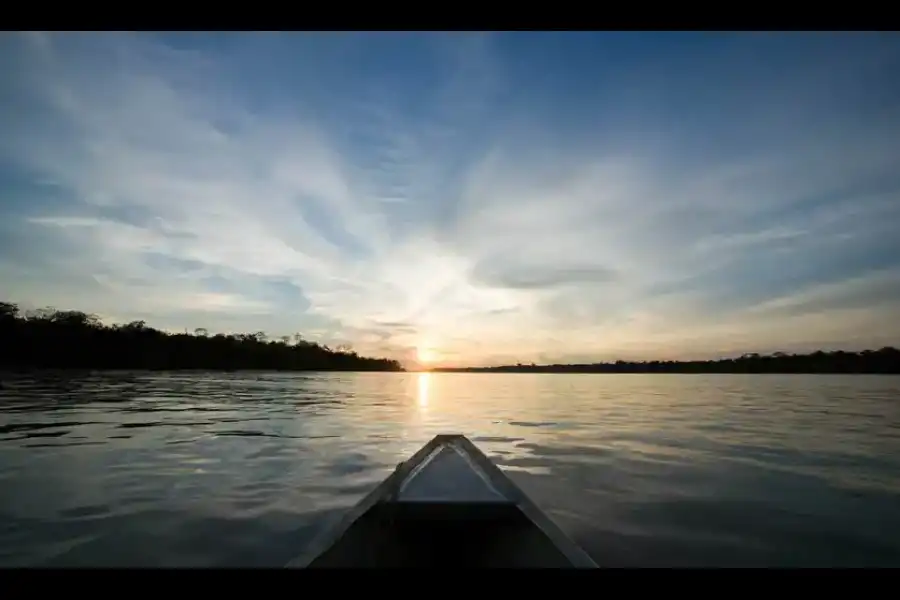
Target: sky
x=469 y=198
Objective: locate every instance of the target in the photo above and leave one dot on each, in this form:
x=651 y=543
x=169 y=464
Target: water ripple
x=204 y=469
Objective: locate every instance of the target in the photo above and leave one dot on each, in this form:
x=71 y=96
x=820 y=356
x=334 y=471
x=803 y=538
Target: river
x=242 y=469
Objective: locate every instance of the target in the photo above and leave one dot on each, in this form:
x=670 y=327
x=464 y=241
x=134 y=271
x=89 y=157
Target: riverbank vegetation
x=885 y=361
x=71 y=339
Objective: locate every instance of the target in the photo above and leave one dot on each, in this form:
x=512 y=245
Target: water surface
x=642 y=470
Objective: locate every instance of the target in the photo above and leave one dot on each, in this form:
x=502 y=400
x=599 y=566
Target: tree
x=75 y=318
x=8 y=310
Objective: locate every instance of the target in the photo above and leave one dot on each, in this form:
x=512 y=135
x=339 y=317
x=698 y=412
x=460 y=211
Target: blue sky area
x=485 y=197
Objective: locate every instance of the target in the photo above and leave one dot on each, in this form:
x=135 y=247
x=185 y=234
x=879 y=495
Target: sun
x=425 y=355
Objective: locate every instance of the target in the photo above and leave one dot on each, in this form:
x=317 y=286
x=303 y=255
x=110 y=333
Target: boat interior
x=436 y=534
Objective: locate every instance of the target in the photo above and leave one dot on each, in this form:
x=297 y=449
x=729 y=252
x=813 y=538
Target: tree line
x=72 y=339
x=885 y=361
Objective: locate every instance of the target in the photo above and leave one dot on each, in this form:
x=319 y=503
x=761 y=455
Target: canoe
x=447 y=506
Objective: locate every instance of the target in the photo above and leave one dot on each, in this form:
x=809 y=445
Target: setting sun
x=425 y=355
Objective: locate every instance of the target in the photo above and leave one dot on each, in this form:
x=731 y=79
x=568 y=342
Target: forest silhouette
x=71 y=339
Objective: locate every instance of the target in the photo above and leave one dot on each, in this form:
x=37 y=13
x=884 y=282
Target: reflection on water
x=424 y=382
x=212 y=469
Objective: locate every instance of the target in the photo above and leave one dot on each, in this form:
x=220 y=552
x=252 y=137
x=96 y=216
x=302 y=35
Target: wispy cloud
x=494 y=197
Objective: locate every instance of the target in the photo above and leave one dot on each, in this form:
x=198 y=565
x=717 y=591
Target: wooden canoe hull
x=447 y=506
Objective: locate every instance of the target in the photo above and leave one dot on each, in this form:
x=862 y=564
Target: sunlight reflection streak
x=424 y=383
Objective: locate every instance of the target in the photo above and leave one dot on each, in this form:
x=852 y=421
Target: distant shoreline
x=885 y=361
x=53 y=340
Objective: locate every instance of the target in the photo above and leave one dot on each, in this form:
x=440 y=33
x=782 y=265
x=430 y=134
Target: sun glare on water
x=424 y=382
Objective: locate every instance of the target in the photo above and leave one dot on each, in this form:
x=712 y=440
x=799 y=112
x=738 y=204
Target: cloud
x=493 y=197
